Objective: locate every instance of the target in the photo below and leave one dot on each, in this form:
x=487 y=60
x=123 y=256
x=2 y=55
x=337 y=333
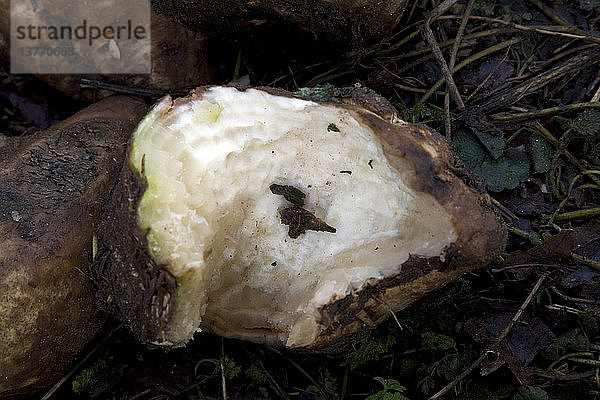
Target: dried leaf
x=554 y=249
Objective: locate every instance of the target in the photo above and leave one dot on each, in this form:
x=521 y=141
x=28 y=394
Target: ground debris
x=290 y=193
x=301 y=220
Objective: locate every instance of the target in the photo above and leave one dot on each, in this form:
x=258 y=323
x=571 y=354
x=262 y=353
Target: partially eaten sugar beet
x=260 y=216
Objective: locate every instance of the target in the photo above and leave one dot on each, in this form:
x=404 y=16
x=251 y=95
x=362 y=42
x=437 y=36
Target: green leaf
x=541 y=152
x=506 y=172
x=426 y=385
x=83 y=379
x=255 y=375
x=530 y=393
x=470 y=151
x=587 y=122
x=436 y=341
x=494 y=144
x=570 y=341
x=231 y=369
x=392 y=390
x=390 y=384
x=448 y=367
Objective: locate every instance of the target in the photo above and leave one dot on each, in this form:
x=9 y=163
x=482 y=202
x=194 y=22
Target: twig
x=549 y=12
x=89 y=83
x=68 y=375
x=546 y=111
x=552 y=30
x=566 y=357
x=586 y=261
x=560 y=307
x=389 y=308
x=222 y=361
x=467 y=61
x=489 y=76
x=546 y=133
x=413 y=89
x=573 y=299
x=453 y=55
x=272 y=381
x=430 y=38
x=494 y=347
x=321 y=389
x=503 y=209
x=584 y=213
x=596 y=96
x=527 y=265
x=345 y=383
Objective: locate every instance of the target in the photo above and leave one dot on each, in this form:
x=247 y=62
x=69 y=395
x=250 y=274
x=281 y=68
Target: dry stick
x=546 y=111
x=321 y=389
x=573 y=299
x=453 y=54
x=222 y=361
x=503 y=209
x=345 y=383
x=272 y=381
x=586 y=261
x=549 y=12
x=447 y=43
x=489 y=76
x=584 y=213
x=566 y=357
x=494 y=347
x=543 y=29
x=62 y=380
x=596 y=96
x=509 y=96
x=430 y=38
x=414 y=89
x=466 y=62
x=94 y=84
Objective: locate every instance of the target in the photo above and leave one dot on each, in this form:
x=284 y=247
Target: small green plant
x=422 y=113
x=255 y=375
x=369 y=351
x=570 y=341
x=232 y=370
x=431 y=340
x=392 y=390
x=83 y=379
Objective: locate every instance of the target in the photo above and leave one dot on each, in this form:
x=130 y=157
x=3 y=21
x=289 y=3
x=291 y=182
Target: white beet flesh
x=212 y=221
